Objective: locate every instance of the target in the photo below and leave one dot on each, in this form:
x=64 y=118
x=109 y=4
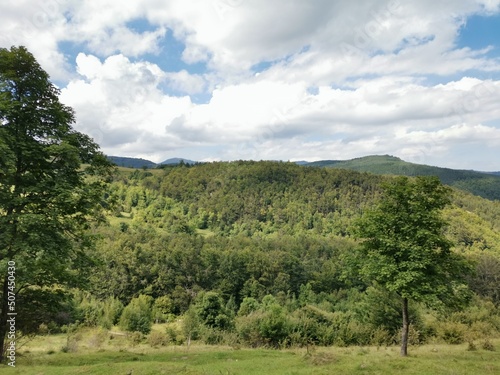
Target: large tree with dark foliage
x=405 y=249
x=51 y=184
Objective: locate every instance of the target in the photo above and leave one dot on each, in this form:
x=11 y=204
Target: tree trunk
x=404 y=333
x=3 y=317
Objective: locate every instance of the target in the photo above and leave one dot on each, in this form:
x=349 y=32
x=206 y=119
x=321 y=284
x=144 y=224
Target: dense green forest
x=262 y=253
x=486 y=185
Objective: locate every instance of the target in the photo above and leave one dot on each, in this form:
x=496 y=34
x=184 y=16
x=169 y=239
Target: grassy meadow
x=101 y=352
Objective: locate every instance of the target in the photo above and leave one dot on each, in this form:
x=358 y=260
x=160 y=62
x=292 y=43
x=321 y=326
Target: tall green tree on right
x=404 y=248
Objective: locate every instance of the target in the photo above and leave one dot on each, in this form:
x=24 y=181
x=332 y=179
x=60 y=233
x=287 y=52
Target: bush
x=265 y=327
x=487 y=345
x=248 y=305
x=135 y=338
x=382 y=337
x=98 y=338
x=136 y=316
x=156 y=339
x=212 y=312
x=162 y=309
x=452 y=332
x=247 y=328
x=112 y=310
x=174 y=336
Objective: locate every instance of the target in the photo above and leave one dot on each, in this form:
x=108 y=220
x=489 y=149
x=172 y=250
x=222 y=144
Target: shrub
x=136 y=316
x=487 y=345
x=274 y=327
x=135 y=338
x=174 y=336
x=162 y=309
x=265 y=327
x=98 y=338
x=452 y=332
x=247 y=328
x=248 y=305
x=382 y=337
x=112 y=310
x=156 y=339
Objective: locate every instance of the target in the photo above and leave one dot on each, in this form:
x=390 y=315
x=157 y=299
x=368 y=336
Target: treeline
x=261 y=253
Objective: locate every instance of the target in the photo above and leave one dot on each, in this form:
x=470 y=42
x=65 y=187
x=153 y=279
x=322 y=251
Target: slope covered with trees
x=263 y=253
x=486 y=185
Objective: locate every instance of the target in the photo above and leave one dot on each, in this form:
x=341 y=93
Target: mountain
x=177 y=161
x=131 y=162
x=486 y=185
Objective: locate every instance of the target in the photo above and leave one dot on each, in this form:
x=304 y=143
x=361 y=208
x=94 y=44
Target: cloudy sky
x=281 y=80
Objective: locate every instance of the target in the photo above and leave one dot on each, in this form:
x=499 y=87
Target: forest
x=263 y=254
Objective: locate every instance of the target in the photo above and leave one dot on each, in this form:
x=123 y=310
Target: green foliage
x=477 y=183
x=191 y=324
x=52 y=181
x=136 y=316
x=212 y=312
x=156 y=339
x=51 y=307
x=486 y=279
x=276 y=247
x=404 y=246
x=162 y=309
x=269 y=325
x=248 y=305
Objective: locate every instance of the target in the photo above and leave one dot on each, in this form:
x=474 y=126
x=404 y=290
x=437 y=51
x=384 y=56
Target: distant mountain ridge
x=177 y=161
x=122 y=161
x=127 y=162
x=483 y=184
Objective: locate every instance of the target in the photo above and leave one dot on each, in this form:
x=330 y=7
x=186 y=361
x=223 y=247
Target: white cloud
x=120 y=104
x=336 y=79
x=187 y=83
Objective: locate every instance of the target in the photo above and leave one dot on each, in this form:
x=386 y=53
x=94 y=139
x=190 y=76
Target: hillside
x=486 y=185
x=131 y=162
x=266 y=242
x=177 y=161
x=127 y=162
x=269 y=197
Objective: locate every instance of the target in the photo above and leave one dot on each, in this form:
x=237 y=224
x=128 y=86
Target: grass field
x=43 y=356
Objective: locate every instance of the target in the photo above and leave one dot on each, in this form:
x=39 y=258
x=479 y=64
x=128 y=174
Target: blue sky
x=481 y=31
x=282 y=80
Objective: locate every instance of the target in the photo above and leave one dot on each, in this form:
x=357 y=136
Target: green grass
x=44 y=357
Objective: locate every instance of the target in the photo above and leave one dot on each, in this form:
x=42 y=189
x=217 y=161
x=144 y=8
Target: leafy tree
x=190 y=324
x=51 y=183
x=404 y=248
x=212 y=312
x=486 y=279
x=162 y=308
x=137 y=315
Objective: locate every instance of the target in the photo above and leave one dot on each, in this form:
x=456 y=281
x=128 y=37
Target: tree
x=51 y=183
x=137 y=315
x=404 y=248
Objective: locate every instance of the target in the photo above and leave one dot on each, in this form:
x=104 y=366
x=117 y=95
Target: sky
x=285 y=80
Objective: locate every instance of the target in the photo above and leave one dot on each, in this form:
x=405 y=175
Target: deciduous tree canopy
x=405 y=248
x=47 y=199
